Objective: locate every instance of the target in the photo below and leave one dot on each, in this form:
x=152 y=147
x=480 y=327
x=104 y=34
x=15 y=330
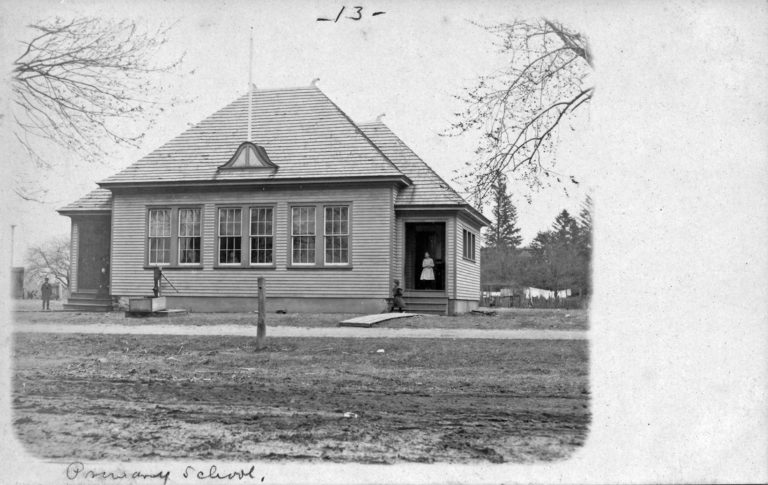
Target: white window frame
x=313 y=235
x=252 y=236
x=219 y=235
x=198 y=236
x=326 y=235
x=168 y=237
x=469 y=239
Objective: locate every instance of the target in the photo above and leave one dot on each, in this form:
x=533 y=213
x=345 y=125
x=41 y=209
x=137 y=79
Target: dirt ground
x=510 y=318
x=364 y=400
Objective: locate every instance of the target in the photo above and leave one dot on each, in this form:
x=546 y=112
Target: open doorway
x=421 y=238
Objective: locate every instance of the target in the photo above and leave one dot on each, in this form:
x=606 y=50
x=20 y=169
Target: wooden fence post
x=261 y=325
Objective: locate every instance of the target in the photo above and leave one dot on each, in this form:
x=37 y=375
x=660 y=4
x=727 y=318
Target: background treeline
x=556 y=259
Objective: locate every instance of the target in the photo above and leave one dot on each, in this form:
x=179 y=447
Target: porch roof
x=99 y=200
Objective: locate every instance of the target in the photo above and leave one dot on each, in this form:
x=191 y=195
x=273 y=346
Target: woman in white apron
x=427 y=272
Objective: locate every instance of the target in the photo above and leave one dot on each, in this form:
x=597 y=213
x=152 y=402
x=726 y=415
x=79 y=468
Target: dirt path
x=335 y=332
x=145 y=397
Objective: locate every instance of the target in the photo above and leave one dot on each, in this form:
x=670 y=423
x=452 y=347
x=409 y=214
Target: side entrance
x=425 y=295
x=92 y=241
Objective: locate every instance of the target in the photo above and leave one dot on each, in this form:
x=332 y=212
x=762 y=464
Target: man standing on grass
x=46 y=291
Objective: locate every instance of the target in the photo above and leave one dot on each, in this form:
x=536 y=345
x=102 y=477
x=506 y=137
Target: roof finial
x=378 y=118
x=250 y=86
x=314 y=81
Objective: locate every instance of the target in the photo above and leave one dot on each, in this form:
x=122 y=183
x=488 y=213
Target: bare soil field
x=139 y=397
x=511 y=318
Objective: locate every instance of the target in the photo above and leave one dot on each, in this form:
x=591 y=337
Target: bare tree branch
x=519 y=109
x=50 y=258
x=88 y=85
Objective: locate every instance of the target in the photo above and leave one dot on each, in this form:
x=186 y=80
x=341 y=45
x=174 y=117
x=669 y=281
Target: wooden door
x=93 y=254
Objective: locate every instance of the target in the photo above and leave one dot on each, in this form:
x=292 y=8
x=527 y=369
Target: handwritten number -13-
x=358 y=14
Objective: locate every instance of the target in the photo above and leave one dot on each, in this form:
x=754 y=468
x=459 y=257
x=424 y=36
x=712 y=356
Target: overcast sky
x=407 y=63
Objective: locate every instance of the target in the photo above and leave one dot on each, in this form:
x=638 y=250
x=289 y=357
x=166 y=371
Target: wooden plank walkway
x=368 y=321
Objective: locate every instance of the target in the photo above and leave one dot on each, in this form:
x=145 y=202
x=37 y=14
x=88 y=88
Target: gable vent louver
x=249 y=155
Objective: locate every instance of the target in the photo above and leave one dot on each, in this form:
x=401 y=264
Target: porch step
x=88 y=307
x=429 y=302
x=88 y=301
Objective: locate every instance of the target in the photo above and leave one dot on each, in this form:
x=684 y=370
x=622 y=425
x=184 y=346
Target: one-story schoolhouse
x=282 y=184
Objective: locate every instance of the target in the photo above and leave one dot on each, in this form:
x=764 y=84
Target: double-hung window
x=189 y=236
x=336 y=235
x=230 y=236
x=469 y=245
x=159 y=237
x=262 y=235
x=320 y=235
x=303 y=243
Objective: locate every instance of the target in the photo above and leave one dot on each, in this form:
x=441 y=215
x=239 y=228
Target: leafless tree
x=519 y=109
x=49 y=259
x=87 y=85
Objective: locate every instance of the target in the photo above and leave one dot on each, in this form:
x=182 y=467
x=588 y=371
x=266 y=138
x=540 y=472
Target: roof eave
x=84 y=212
x=466 y=208
x=402 y=180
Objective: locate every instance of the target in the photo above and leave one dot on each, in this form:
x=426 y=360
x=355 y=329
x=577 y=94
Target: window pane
x=261 y=221
x=336 y=220
x=229 y=222
x=189 y=222
x=159 y=222
x=189 y=250
x=337 y=249
x=303 y=221
x=261 y=250
x=229 y=250
x=159 y=250
x=304 y=249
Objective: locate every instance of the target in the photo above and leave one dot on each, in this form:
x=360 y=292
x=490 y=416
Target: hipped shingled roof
x=428 y=188
x=304 y=134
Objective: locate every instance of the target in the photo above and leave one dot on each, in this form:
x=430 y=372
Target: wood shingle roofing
x=304 y=133
x=428 y=188
x=98 y=200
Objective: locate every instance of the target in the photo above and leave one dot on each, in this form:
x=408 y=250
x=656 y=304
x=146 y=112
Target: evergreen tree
x=503 y=232
x=565 y=229
x=584 y=244
x=556 y=253
x=585 y=226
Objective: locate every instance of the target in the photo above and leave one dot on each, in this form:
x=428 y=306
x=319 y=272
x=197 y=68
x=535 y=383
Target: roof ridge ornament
x=314 y=82
x=378 y=118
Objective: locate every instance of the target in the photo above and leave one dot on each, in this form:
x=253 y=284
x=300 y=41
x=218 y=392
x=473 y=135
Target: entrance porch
x=90 y=264
x=423 y=294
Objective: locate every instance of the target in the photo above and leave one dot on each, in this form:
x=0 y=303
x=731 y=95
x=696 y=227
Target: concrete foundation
x=457 y=307
x=210 y=304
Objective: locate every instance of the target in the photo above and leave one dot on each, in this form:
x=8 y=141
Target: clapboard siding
x=370 y=242
x=74 y=255
x=394 y=250
x=468 y=274
x=450 y=262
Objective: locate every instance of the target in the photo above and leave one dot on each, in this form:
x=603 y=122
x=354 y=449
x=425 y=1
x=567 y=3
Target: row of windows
x=259 y=237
